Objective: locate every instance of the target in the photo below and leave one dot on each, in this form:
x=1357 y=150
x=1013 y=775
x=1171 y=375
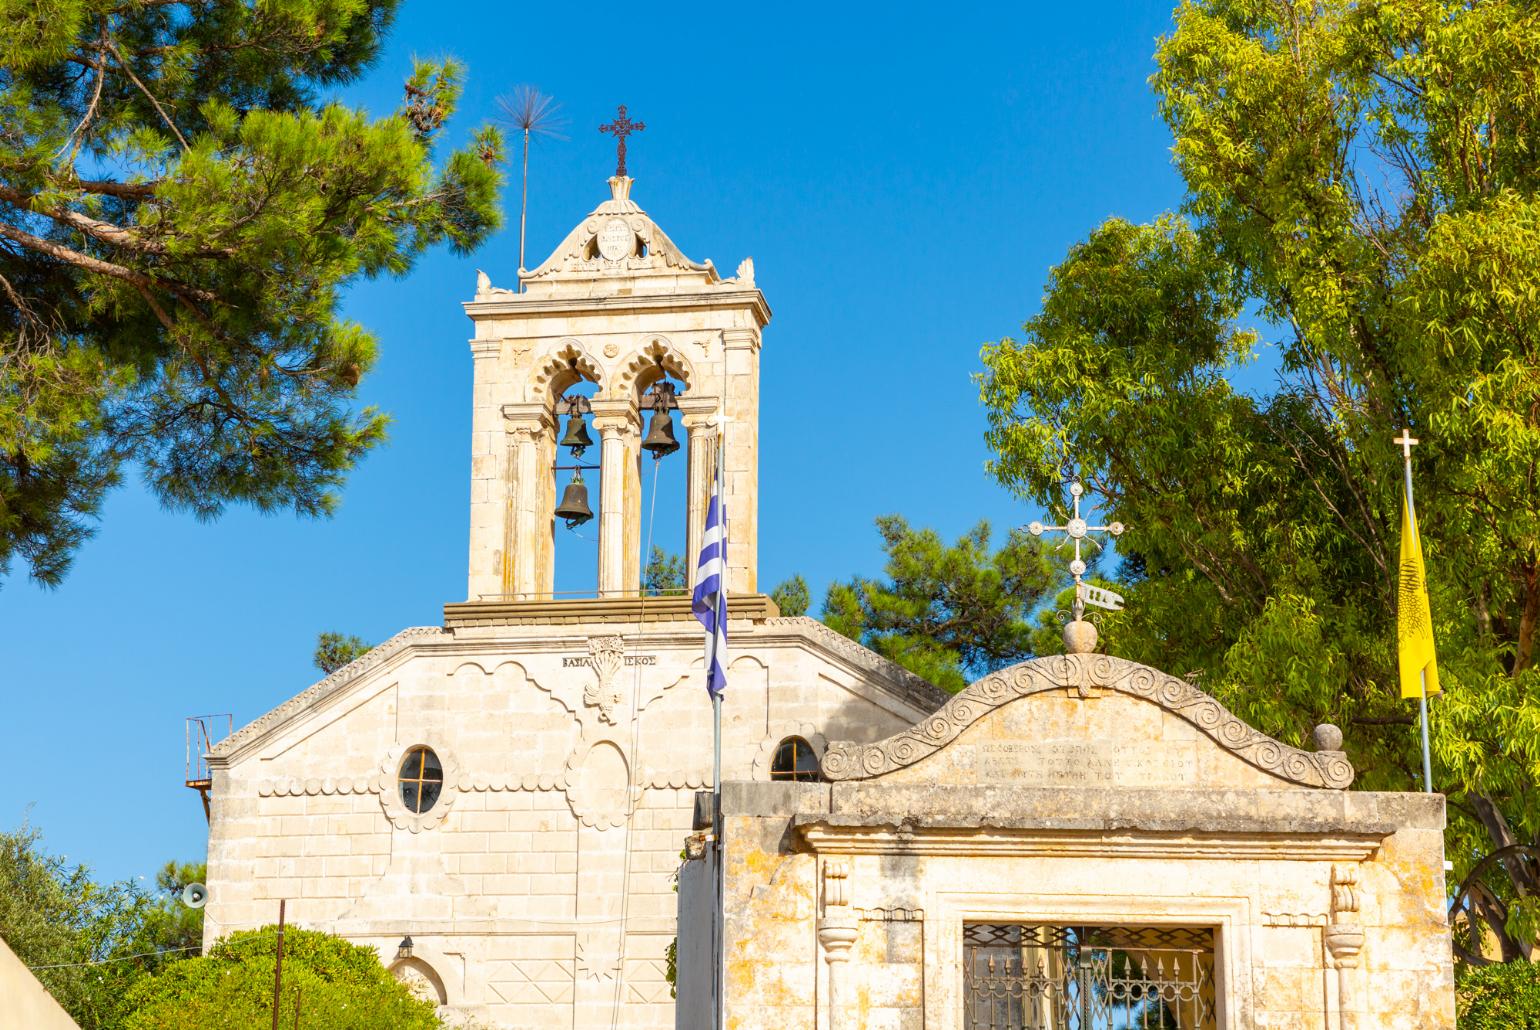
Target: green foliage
x=1500 y=997
x=948 y=614
x=664 y=574
x=1362 y=177
x=338 y=986
x=334 y=650
x=791 y=596
x=180 y=211
x=53 y=914
x=88 y=942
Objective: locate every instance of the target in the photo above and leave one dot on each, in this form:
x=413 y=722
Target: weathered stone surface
x=1083 y=791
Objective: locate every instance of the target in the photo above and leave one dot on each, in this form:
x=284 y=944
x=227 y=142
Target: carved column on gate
x=702 y=421
x=837 y=933
x=620 y=497
x=1345 y=941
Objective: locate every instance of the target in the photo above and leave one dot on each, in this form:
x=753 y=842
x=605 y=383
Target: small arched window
x=421 y=780
x=795 y=760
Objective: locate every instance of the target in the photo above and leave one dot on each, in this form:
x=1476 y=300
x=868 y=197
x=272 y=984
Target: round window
x=421 y=780
x=794 y=760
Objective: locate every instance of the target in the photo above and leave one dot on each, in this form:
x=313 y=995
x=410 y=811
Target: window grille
x=1018 y=977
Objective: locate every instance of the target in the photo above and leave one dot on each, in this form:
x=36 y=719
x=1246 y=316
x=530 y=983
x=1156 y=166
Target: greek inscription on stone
x=585 y=661
x=1070 y=764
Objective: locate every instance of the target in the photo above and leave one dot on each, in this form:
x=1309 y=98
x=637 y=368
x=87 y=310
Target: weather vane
x=621 y=127
x=1077 y=531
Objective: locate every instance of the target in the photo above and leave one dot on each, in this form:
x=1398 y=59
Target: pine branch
x=90 y=264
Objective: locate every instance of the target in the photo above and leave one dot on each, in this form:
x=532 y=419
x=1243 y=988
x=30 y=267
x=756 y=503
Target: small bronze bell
x=660 y=435
x=574 y=509
x=577 y=437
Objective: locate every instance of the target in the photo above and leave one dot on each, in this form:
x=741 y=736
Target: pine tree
x=180 y=210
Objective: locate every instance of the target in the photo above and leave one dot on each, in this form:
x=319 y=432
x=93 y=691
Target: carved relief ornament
x=845 y=760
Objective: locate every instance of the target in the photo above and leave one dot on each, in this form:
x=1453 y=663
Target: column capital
x=616 y=417
x=1344 y=941
x=838 y=935
x=698 y=413
x=532 y=415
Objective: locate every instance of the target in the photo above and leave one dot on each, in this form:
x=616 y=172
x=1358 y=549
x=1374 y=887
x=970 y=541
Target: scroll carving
x=845 y=760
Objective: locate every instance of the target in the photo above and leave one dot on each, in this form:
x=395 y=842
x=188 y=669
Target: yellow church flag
x=1414 y=617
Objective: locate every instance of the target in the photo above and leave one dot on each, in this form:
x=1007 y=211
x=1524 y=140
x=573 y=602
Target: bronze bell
x=577 y=437
x=660 y=435
x=574 y=509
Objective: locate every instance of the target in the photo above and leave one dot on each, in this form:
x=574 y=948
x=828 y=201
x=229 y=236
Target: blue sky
x=903 y=179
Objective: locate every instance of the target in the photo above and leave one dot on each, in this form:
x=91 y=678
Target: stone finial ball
x=1079 y=637
x=1327 y=737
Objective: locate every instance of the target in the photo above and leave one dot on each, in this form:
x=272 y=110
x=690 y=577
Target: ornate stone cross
x=621 y=127
x=1077 y=531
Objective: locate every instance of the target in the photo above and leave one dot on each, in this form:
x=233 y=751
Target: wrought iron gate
x=1019 y=977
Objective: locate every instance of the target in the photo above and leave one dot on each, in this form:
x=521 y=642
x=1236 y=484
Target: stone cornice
x=825 y=836
x=846 y=760
x=397 y=645
x=716 y=298
x=920 y=693
x=582 y=611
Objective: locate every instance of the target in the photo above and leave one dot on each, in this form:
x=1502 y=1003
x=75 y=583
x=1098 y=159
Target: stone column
x=838 y=931
x=1344 y=942
x=700 y=418
x=620 y=498
x=741 y=354
x=529 y=429
x=489 y=475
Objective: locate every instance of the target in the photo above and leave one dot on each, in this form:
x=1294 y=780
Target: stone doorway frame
x=946 y=911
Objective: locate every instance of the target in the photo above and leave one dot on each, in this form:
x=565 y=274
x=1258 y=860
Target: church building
x=498 y=803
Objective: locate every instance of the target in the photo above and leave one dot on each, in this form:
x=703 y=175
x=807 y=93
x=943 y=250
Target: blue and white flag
x=710 y=601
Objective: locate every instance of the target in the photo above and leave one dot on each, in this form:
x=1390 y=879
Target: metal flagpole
x=716 y=713
x=1406 y=442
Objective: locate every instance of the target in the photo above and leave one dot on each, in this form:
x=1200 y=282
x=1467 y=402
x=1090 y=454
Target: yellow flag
x=1414 y=618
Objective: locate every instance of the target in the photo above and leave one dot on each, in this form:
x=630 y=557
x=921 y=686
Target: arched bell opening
x=664 y=557
x=575 y=484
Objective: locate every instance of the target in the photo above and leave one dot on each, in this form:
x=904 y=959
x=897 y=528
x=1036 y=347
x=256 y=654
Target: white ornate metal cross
x=1076 y=531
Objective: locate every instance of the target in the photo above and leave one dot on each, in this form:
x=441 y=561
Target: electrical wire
x=143 y=954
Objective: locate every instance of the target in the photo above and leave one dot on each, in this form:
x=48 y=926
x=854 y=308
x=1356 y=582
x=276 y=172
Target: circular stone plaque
x=616 y=240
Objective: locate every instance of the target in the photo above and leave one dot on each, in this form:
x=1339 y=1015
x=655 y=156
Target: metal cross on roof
x=1077 y=531
x=621 y=127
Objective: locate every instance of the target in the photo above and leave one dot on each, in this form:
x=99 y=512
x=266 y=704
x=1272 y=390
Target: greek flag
x=710 y=601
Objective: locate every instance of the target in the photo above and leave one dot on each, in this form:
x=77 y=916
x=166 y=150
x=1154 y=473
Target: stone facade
x=569 y=736
x=1077 y=791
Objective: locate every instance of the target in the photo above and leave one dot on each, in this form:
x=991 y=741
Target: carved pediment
x=618 y=239
x=1086 y=721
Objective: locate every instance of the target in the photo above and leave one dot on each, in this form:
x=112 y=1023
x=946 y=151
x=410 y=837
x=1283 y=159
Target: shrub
x=338 y=986
x=1501 y=997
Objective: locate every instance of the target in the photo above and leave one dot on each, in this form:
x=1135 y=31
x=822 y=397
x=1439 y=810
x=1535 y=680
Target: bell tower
x=660 y=337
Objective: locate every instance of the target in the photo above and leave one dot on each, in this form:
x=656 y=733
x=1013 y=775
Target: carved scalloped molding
x=313 y=787
x=657 y=349
x=554 y=373
x=390 y=797
x=846 y=760
x=343 y=676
